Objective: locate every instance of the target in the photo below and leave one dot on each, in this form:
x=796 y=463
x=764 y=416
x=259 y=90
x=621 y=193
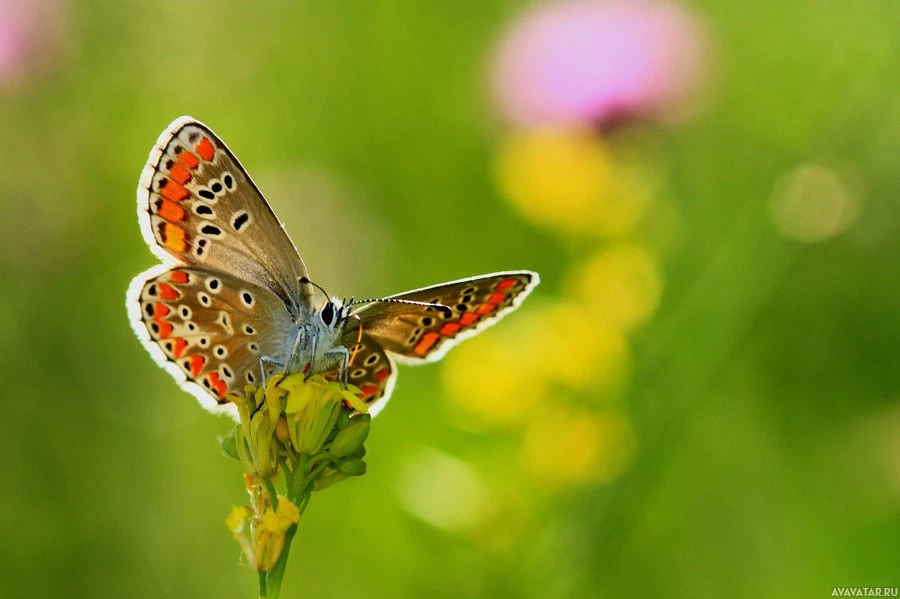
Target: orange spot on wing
x=426 y=343
x=197 y=362
x=506 y=284
x=167 y=292
x=485 y=309
x=178 y=276
x=205 y=149
x=497 y=298
x=368 y=390
x=160 y=311
x=179 y=173
x=171 y=211
x=217 y=384
x=179 y=347
x=165 y=329
x=188 y=160
x=173 y=191
x=174 y=237
x=382 y=374
x=468 y=318
x=450 y=328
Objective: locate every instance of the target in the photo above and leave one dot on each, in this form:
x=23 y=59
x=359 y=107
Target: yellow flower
x=236 y=519
x=563 y=447
x=270 y=533
x=496 y=378
x=621 y=285
x=502 y=378
x=567 y=179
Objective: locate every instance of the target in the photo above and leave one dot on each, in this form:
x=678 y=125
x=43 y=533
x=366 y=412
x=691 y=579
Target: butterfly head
x=334 y=312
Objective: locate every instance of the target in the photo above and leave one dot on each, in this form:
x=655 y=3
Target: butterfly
x=232 y=301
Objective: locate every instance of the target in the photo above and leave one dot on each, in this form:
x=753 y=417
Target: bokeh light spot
x=444 y=491
x=812 y=204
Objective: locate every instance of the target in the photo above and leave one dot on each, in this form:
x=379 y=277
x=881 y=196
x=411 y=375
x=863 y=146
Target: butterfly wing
x=372 y=370
x=198 y=205
x=417 y=334
x=208 y=329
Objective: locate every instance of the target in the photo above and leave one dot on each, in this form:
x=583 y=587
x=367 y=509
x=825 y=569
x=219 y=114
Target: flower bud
x=342 y=422
x=352 y=467
x=315 y=426
x=281 y=430
x=326 y=480
x=352 y=437
x=228 y=444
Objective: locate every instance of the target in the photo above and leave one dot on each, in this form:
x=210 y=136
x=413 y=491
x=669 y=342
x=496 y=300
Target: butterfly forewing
x=197 y=204
x=418 y=333
x=211 y=326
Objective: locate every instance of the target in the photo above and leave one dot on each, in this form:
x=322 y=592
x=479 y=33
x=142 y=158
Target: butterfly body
x=232 y=301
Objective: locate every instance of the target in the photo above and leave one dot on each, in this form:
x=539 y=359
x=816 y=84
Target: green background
x=765 y=394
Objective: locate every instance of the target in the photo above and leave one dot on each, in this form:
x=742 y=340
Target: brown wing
x=207 y=329
x=419 y=334
x=372 y=369
x=197 y=204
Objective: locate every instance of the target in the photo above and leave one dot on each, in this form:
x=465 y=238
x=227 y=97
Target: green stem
x=300 y=472
x=273 y=494
x=263 y=591
x=276 y=575
x=299 y=495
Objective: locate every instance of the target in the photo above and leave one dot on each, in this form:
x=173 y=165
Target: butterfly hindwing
x=372 y=369
x=198 y=205
x=416 y=333
x=208 y=329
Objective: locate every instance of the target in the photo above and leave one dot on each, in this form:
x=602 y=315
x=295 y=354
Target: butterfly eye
x=328 y=314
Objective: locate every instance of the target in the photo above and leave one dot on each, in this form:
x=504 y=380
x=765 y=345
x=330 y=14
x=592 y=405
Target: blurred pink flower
x=31 y=37
x=597 y=62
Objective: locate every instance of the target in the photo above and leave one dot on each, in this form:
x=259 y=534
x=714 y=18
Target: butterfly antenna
x=394 y=300
x=304 y=280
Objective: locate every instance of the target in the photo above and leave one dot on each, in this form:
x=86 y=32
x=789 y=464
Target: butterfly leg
x=313 y=341
x=270 y=361
x=344 y=354
x=291 y=365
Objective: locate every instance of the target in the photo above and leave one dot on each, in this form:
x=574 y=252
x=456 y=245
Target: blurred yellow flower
x=566 y=447
x=502 y=378
x=554 y=176
x=621 y=285
x=496 y=378
x=617 y=447
x=583 y=352
x=568 y=180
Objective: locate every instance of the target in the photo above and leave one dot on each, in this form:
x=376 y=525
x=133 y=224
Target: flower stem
x=299 y=495
x=263 y=591
x=270 y=489
x=276 y=575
